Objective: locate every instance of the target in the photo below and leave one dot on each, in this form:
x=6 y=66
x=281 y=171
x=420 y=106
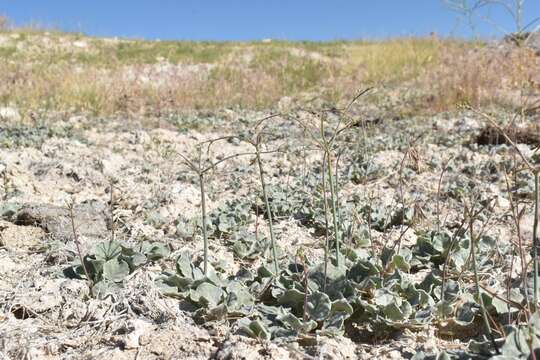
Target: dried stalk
x=477 y=280
x=77 y=241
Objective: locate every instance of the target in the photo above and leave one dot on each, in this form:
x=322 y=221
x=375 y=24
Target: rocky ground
x=428 y=169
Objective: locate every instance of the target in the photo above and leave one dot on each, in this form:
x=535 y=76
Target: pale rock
x=20 y=237
x=138 y=328
x=4 y=41
x=394 y=355
x=285 y=103
x=467 y=124
x=8 y=113
x=525 y=150
x=7 y=265
x=526 y=223
x=77 y=119
x=332 y=348
x=237 y=350
x=503 y=202
x=80 y=44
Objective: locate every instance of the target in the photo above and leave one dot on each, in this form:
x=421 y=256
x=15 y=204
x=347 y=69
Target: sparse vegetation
x=42 y=71
x=402 y=221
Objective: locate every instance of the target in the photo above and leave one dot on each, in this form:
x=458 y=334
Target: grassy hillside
x=42 y=71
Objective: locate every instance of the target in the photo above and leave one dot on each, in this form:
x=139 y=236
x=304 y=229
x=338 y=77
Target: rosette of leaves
x=376 y=295
x=362 y=169
x=291 y=199
x=322 y=317
x=283 y=202
x=111 y=262
x=434 y=246
x=343 y=294
x=290 y=312
x=283 y=308
x=458 y=187
x=32 y=136
x=246 y=245
x=230 y=217
x=383 y=295
x=456 y=302
x=522 y=341
x=524 y=185
x=488 y=170
x=359 y=236
x=212 y=295
x=397 y=301
x=311 y=214
x=382 y=217
x=8 y=210
x=155 y=219
x=186 y=228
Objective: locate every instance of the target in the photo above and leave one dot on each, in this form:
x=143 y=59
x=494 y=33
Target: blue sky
x=251 y=19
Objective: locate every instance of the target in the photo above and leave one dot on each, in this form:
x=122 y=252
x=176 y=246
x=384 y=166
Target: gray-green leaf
x=207 y=295
x=115 y=270
x=318 y=306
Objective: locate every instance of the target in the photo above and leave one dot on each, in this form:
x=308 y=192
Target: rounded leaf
x=108 y=250
x=115 y=270
x=342 y=305
x=318 y=306
x=157 y=251
x=207 y=294
x=292 y=298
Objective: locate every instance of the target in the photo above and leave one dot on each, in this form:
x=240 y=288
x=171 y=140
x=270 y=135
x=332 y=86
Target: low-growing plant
x=110 y=263
x=248 y=246
x=444 y=278
x=522 y=342
x=230 y=217
x=302 y=302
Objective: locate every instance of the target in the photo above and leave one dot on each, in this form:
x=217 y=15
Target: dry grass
x=396 y=59
x=42 y=71
x=483 y=77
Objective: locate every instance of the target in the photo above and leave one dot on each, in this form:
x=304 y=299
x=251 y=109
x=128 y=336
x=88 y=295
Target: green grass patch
x=7 y=52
